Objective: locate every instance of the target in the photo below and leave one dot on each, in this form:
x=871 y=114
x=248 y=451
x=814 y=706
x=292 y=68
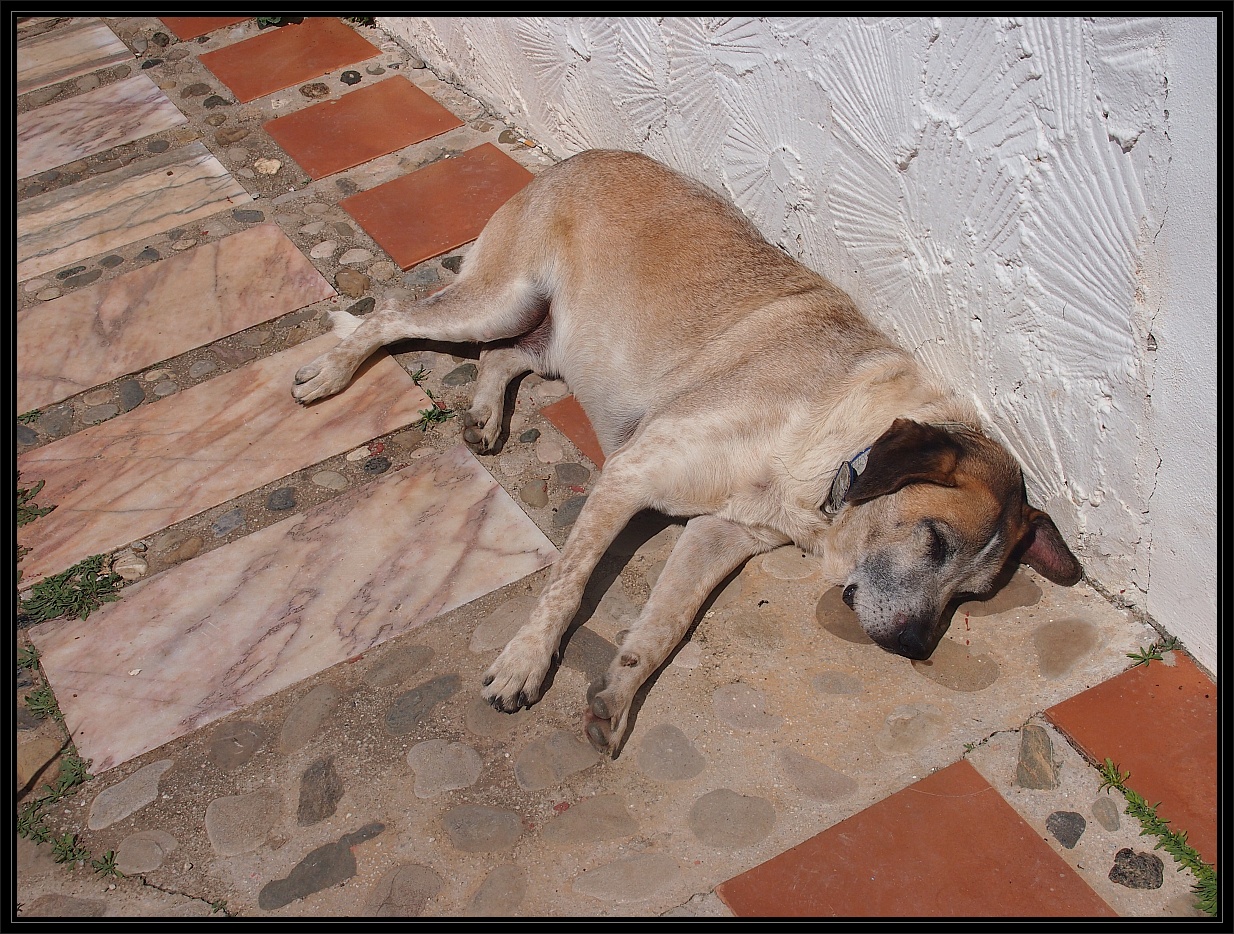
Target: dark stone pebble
x=363 y=307
x=453 y=263
x=530 y=435
x=161 y=39
x=315 y=90
x=245 y=216
x=409 y=708
x=233 y=744
x=571 y=474
x=346 y=186
x=26 y=434
x=282 y=498
x=1137 y=870
x=378 y=464
x=569 y=511
x=151 y=63
x=321 y=789
x=84 y=279
x=461 y=376
x=294 y=318
x=328 y=865
x=215 y=101
x=158 y=145
x=71 y=271
x=111 y=262
x=131 y=395
x=148 y=255
x=175 y=233
x=350 y=77
x=1067 y=827
x=200 y=89
x=228 y=522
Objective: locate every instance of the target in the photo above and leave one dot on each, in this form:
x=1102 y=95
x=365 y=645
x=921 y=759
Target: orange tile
x=283 y=57
x=946 y=846
x=381 y=118
x=190 y=27
x=438 y=207
x=572 y=422
x=1158 y=722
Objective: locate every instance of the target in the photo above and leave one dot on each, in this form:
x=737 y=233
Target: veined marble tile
x=140 y=200
x=239 y=623
x=161 y=463
x=100 y=333
x=92 y=122
x=66 y=53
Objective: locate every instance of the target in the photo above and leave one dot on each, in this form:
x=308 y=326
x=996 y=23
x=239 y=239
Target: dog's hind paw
x=318 y=379
x=604 y=724
x=480 y=432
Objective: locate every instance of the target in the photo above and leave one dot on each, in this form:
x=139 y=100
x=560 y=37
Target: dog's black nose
x=847 y=596
x=913 y=646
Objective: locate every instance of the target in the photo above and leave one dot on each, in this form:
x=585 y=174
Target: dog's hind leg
x=707 y=551
x=498 y=366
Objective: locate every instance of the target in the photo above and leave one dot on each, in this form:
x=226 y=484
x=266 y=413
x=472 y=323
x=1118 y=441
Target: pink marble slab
x=239 y=623
x=81 y=126
x=72 y=50
x=161 y=463
x=126 y=204
x=100 y=333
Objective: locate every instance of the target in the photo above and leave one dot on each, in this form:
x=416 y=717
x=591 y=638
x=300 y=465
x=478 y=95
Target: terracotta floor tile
x=946 y=846
x=379 y=119
x=439 y=207
x=572 y=422
x=1158 y=722
x=286 y=56
x=190 y=27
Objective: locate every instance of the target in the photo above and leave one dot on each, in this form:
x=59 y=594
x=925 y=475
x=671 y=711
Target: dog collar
x=847 y=472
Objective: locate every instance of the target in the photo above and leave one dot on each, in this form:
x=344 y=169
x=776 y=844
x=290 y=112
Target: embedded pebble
x=46 y=295
x=476 y=828
x=131 y=395
x=358 y=454
x=497 y=628
x=441 y=766
x=534 y=493
x=910 y=728
x=397 y=665
x=144 y=851
x=569 y=511
x=959 y=667
x=1061 y=644
x=836 y=682
x=35 y=284
x=632 y=879
x=186 y=244
x=814 y=779
x=129 y=566
x=282 y=498
x=1036 y=767
x=267 y=166
x=666 y=754
x=202 y=367
x=403 y=892
x=324 y=250
x=305 y=718
x=744 y=707
x=382 y=271
x=572 y=474
x=544 y=762
x=500 y=893
x=97 y=397
x=100 y=413
x=354 y=256
x=165 y=388
x=351 y=283
x=1106 y=812
x=228 y=522
x=155 y=375
x=1137 y=870
x=408 y=709
x=604 y=817
x=254 y=338
x=689 y=656
x=1066 y=827
x=234 y=743
x=239 y=823
x=312 y=228
x=128 y=796
x=790 y=563
x=330 y=479
x=725 y=818
x=321 y=789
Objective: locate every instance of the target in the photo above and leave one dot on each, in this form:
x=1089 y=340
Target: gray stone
x=321 y=789
x=100 y=413
x=453 y=263
x=814 y=779
x=441 y=766
x=544 y=762
x=128 y=796
x=629 y=880
x=131 y=395
x=569 y=511
x=234 y=743
x=571 y=474
x=239 y=823
x=530 y=435
x=362 y=307
x=965 y=668
x=1137 y=870
x=245 y=215
x=1106 y=812
x=166 y=387
x=605 y=817
x=144 y=851
x=475 y=828
x=57 y=421
x=1061 y=644
x=112 y=261
x=330 y=479
x=304 y=720
x=25 y=434
x=1066 y=827
x=397 y=665
x=407 y=710
x=202 y=368
x=282 y=498
x=744 y=707
x=1036 y=767
x=331 y=864
x=534 y=493
x=500 y=894
x=228 y=522
x=723 y=818
x=84 y=279
x=666 y=754
x=461 y=375
x=403 y=892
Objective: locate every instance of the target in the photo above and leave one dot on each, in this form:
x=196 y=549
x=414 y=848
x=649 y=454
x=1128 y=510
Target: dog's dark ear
x=1046 y=552
x=907 y=452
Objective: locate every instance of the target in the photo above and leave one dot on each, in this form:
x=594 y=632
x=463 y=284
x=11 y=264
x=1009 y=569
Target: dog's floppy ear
x=907 y=452
x=1046 y=552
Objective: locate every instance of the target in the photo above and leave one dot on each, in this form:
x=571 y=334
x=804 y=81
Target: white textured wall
x=1028 y=204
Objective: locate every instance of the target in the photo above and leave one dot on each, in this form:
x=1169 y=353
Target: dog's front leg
x=514 y=679
x=708 y=550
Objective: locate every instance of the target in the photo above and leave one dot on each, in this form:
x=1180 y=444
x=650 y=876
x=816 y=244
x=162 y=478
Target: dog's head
x=944 y=512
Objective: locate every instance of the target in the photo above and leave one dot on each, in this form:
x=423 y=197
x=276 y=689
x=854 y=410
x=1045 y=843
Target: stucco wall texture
x=1027 y=204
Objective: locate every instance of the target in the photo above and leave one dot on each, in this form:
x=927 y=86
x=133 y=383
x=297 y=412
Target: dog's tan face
x=944 y=512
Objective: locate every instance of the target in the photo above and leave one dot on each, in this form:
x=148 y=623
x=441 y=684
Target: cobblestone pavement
x=281 y=713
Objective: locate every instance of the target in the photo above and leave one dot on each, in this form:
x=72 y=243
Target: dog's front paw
x=514 y=679
x=323 y=377
x=480 y=430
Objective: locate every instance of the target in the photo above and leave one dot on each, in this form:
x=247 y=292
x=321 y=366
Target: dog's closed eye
x=939 y=547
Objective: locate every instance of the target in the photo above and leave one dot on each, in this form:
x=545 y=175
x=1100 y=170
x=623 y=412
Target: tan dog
x=727 y=383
